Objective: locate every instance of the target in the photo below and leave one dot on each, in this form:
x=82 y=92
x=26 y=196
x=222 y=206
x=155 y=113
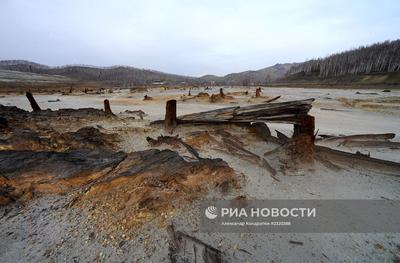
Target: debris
x=172 y=141
x=296 y=242
x=178 y=251
x=146 y=97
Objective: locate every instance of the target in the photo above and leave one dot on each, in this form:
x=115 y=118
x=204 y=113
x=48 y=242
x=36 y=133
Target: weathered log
x=107 y=108
x=32 y=101
x=372 y=144
x=286 y=112
x=170 y=115
x=345 y=159
x=360 y=137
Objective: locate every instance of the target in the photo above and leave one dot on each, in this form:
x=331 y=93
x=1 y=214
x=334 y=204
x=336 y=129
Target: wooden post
x=221 y=92
x=170 y=115
x=32 y=101
x=107 y=108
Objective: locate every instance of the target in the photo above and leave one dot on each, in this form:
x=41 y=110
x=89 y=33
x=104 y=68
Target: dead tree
x=107 y=108
x=32 y=101
x=170 y=115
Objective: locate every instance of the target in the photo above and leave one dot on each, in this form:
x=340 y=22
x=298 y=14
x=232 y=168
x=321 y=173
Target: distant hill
x=118 y=75
x=123 y=75
x=378 y=59
x=252 y=77
x=375 y=64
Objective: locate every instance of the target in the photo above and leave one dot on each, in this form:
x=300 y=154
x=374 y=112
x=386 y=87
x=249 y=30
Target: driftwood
x=283 y=112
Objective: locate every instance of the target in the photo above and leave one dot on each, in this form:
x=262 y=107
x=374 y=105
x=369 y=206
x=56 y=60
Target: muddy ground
x=113 y=211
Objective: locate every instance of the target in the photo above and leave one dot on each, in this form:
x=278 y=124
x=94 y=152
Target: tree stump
x=303 y=137
x=170 y=115
x=107 y=108
x=32 y=101
x=221 y=92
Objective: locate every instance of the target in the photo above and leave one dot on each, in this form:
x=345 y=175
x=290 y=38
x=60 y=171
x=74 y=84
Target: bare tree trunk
x=32 y=101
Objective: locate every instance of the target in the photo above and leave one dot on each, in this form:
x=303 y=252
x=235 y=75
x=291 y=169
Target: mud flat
x=81 y=184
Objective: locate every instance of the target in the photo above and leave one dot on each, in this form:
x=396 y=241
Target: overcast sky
x=190 y=37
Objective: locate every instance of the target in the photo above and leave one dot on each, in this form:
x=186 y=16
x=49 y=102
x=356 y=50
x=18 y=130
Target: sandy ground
x=43 y=231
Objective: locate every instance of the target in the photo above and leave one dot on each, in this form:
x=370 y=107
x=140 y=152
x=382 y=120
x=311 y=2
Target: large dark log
x=284 y=112
x=170 y=115
x=107 y=108
x=32 y=101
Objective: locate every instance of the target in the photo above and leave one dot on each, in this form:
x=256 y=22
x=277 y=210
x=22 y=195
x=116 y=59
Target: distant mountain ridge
x=350 y=66
x=125 y=75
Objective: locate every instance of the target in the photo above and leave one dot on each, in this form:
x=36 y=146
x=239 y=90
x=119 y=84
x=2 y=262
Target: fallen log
x=372 y=144
x=284 y=112
x=346 y=159
x=360 y=137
